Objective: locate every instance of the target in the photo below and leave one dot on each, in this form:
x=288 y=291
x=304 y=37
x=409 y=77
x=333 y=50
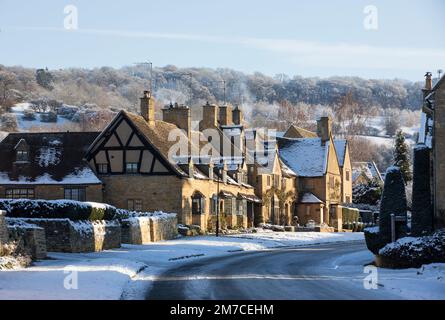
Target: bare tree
x=7 y=80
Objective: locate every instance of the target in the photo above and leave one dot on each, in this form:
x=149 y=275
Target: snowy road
x=332 y=271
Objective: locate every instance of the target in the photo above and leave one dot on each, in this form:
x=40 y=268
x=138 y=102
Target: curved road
x=334 y=271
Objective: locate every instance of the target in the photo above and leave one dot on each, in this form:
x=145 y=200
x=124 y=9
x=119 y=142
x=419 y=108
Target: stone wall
x=163 y=227
x=143 y=230
x=3 y=231
x=136 y=230
x=30 y=238
x=439 y=157
x=64 y=235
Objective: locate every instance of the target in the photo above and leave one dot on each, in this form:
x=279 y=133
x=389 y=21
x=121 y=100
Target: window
x=276 y=181
x=268 y=181
x=347 y=175
x=77 y=194
x=213 y=204
x=134 y=204
x=198 y=203
x=228 y=206
x=242 y=207
x=131 y=167
x=22 y=155
x=102 y=167
x=348 y=199
x=20 y=193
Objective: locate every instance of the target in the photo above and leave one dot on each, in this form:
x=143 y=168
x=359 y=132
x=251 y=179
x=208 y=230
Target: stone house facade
x=139 y=163
x=135 y=158
x=323 y=169
x=432 y=134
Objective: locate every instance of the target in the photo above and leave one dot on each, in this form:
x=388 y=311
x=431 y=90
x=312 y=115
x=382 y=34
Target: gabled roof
x=340 y=148
x=54 y=158
x=368 y=169
x=307 y=157
x=297 y=132
x=439 y=83
x=309 y=198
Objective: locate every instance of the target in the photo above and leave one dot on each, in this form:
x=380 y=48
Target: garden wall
x=136 y=230
x=152 y=228
x=163 y=227
x=30 y=238
x=64 y=235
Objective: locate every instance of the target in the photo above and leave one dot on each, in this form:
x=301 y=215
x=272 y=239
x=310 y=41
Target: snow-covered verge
x=113 y=274
x=425 y=283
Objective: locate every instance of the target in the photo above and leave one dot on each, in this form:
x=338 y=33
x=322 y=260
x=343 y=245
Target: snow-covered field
x=111 y=274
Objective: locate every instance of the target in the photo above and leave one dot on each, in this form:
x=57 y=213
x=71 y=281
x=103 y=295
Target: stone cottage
x=432 y=135
x=48 y=166
x=323 y=173
x=136 y=158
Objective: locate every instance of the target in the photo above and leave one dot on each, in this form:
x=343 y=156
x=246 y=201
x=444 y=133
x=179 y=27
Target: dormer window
x=21 y=151
x=22 y=155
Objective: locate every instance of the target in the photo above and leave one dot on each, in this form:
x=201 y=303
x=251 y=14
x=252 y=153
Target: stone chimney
x=191 y=171
x=225 y=115
x=324 y=129
x=147 y=108
x=209 y=117
x=179 y=115
x=428 y=84
x=237 y=116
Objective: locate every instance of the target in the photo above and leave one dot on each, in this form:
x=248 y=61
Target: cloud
x=300 y=53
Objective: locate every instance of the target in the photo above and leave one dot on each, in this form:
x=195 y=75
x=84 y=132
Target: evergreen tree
x=44 y=78
x=401 y=156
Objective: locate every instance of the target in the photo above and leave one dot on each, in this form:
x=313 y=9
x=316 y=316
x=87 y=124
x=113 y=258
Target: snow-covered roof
x=286 y=171
x=53 y=158
x=340 y=148
x=309 y=197
x=369 y=169
x=307 y=157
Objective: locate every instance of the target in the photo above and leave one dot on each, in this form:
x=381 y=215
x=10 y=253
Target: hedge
x=64 y=209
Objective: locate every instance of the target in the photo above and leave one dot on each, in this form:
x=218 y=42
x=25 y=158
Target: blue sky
x=308 y=38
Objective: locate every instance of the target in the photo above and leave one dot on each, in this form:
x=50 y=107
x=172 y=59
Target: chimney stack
x=237 y=116
x=225 y=115
x=209 y=117
x=147 y=108
x=324 y=129
x=178 y=115
x=429 y=81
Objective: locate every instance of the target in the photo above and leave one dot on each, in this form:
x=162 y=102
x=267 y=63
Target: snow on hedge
x=412 y=252
x=20 y=223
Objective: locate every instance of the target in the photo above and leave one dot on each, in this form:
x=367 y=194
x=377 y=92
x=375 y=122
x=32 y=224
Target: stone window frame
x=135 y=204
x=10 y=193
x=22 y=155
x=131 y=167
x=198 y=203
x=100 y=167
x=81 y=193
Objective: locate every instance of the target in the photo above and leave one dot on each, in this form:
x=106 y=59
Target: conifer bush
x=422 y=213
